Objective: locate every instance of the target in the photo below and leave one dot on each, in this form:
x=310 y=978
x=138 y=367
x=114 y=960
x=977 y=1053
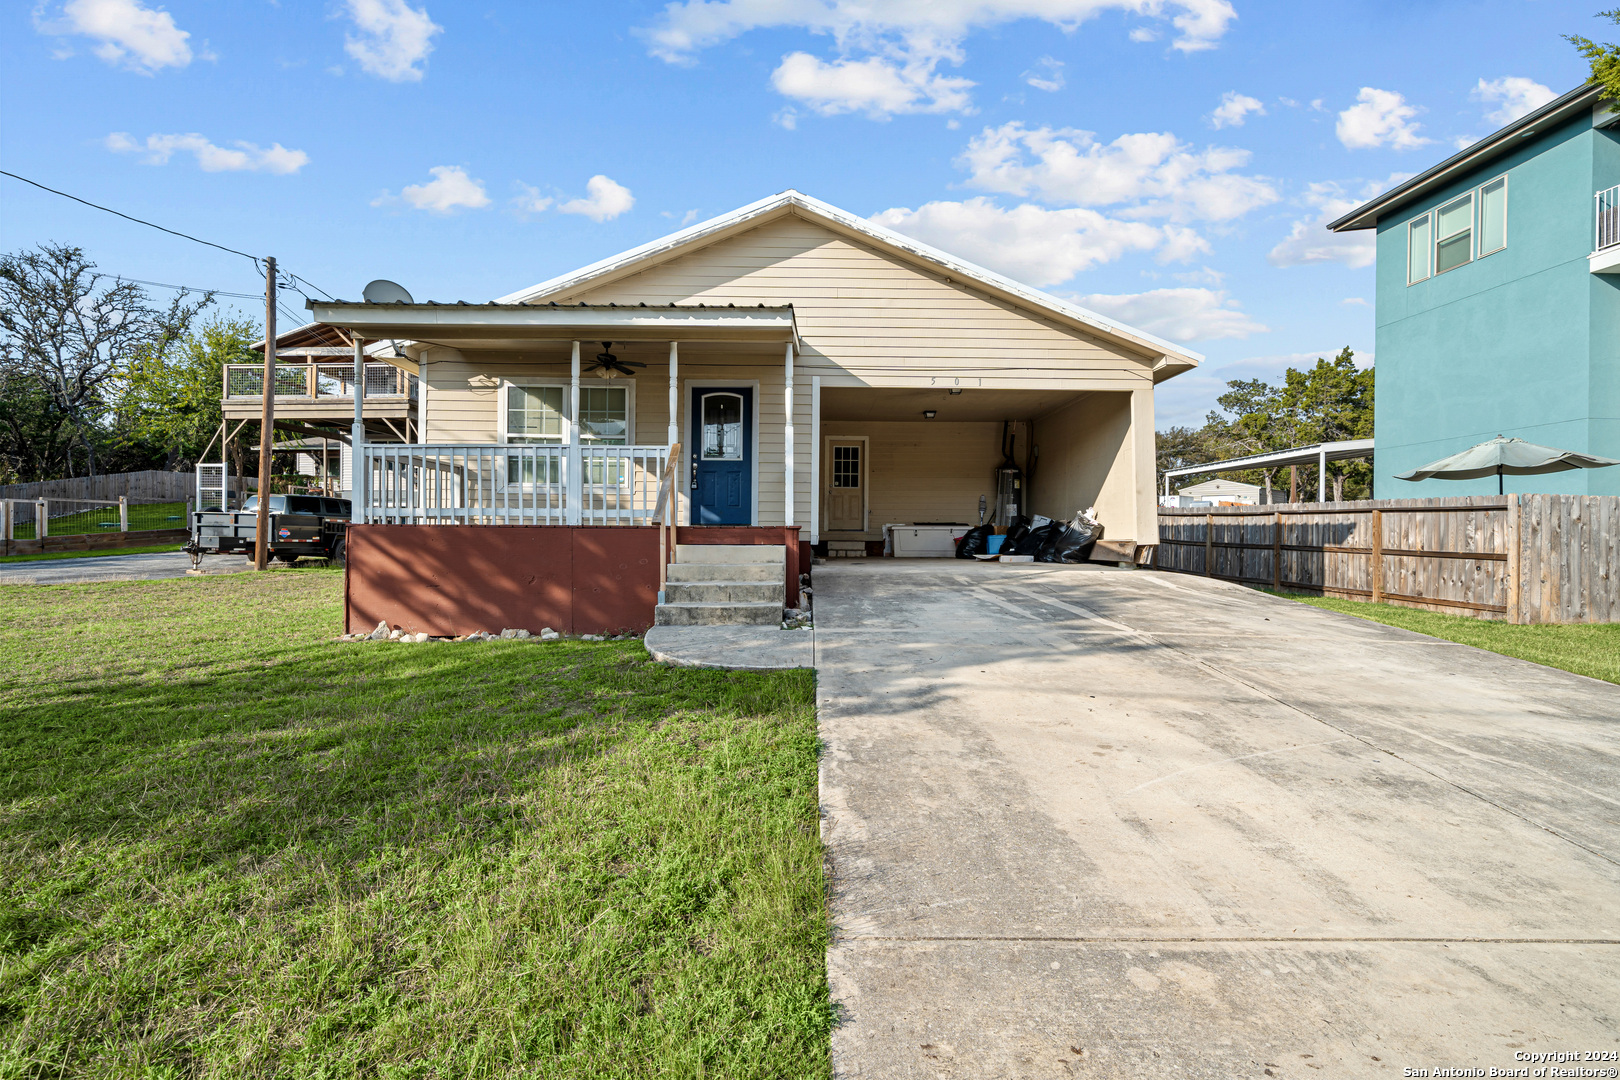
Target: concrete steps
x=724 y=585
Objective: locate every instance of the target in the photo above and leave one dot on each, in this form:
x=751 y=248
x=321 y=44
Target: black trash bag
x=1030 y=543
x=1015 y=532
x=976 y=541
x=1067 y=544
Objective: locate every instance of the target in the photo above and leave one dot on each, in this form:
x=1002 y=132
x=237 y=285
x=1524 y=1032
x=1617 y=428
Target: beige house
x=818 y=371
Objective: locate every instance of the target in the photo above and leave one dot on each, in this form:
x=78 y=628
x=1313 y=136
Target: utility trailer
x=301 y=526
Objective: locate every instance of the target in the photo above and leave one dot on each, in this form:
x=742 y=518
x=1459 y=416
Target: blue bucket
x=994 y=545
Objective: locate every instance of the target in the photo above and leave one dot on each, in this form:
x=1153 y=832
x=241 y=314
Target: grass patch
x=103 y=519
x=230 y=847
x=1591 y=649
x=151 y=550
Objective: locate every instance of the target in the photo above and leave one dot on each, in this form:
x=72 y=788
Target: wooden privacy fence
x=1523 y=558
x=147 y=486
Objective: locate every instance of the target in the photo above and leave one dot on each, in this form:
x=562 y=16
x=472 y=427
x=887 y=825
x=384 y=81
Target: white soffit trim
x=790 y=201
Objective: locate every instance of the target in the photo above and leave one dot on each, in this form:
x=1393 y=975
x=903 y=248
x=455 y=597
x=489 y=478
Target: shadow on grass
x=376 y=859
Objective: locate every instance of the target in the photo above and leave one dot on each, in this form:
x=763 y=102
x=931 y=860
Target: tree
x=174 y=398
x=1604 y=58
x=1329 y=402
x=71 y=336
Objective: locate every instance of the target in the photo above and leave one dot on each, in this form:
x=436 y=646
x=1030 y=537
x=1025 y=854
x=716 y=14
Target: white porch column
x=787 y=438
x=574 y=459
x=815 y=459
x=357 y=437
x=674 y=396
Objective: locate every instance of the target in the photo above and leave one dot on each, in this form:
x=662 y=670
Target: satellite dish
x=383 y=291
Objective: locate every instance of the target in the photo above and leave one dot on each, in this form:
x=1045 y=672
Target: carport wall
x=936 y=470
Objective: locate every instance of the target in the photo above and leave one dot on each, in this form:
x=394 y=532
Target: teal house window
x=1466 y=228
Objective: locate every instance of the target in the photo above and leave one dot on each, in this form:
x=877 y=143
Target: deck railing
x=311 y=382
x=510 y=484
x=1608 y=218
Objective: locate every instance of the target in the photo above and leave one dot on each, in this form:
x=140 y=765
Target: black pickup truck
x=301 y=526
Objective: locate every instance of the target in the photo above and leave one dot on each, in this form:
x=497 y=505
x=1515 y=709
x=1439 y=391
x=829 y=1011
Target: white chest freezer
x=926 y=541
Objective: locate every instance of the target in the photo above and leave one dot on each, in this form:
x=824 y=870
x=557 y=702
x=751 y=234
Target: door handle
x=694 y=474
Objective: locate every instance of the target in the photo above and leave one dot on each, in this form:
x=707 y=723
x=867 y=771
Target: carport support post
x=574 y=457
x=787 y=437
x=674 y=395
x=1321 y=476
x=357 y=437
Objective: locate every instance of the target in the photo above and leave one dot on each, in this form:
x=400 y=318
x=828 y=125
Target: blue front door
x=722 y=455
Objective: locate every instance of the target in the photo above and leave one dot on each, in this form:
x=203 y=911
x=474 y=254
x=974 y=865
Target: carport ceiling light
x=955 y=390
x=928 y=414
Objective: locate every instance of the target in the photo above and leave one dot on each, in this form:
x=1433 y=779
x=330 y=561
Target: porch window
x=534 y=414
x=604 y=415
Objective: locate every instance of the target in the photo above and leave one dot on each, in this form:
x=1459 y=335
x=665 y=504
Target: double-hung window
x=537 y=414
x=1468 y=227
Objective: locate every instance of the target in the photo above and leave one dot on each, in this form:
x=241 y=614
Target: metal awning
x=1318 y=454
x=495 y=326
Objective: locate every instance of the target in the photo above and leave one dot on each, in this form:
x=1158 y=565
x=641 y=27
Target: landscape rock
x=548 y=634
x=421 y=637
x=522 y=635
x=379 y=634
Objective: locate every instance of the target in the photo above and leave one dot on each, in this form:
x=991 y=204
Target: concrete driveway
x=162 y=564
x=1087 y=822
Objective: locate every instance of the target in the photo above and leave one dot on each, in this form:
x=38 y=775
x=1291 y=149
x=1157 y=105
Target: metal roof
x=1487 y=149
x=780 y=308
x=1295 y=455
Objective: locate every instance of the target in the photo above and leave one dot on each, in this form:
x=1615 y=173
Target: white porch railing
x=1608 y=218
x=509 y=484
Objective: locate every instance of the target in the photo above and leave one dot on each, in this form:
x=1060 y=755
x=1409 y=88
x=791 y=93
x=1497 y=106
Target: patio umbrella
x=1501 y=456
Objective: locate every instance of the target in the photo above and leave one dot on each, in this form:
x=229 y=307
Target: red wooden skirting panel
x=449 y=580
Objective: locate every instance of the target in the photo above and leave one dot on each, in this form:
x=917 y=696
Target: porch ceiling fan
x=608 y=366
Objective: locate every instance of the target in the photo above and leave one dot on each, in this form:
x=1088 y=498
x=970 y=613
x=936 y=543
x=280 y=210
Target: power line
x=190 y=288
x=126 y=217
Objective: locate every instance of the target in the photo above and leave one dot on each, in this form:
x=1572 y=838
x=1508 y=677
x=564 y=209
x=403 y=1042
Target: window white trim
x=1431 y=218
x=687 y=386
x=1479 y=217
x=503 y=433
x=1471 y=198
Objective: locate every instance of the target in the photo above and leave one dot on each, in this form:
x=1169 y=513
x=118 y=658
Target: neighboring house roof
x=1579 y=100
x=1170 y=356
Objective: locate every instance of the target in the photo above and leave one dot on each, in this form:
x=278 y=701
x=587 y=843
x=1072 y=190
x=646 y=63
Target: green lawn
x=1591 y=649
x=104 y=519
x=231 y=847
x=92 y=554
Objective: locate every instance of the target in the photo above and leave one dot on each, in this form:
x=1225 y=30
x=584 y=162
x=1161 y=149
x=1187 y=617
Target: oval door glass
x=722 y=427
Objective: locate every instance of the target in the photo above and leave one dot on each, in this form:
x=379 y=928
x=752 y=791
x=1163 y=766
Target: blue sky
x=1166 y=162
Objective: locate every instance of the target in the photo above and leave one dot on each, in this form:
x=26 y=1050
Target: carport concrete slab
x=1090 y=823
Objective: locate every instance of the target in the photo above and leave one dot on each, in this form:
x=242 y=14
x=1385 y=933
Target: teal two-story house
x=1498 y=301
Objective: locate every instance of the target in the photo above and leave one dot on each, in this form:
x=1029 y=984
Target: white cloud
x=604 y=200
x=1189 y=397
x=1153 y=174
x=1310 y=241
x=876 y=86
x=127 y=33
x=1514 y=96
x=1382 y=118
x=1048 y=75
x=239 y=157
x=450 y=189
x=1183 y=315
x=1356 y=301
x=530 y=201
x=394 y=38
x=1234 y=108
x=1031 y=243
x=889 y=50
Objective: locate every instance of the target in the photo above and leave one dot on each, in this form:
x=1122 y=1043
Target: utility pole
x=267 y=420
